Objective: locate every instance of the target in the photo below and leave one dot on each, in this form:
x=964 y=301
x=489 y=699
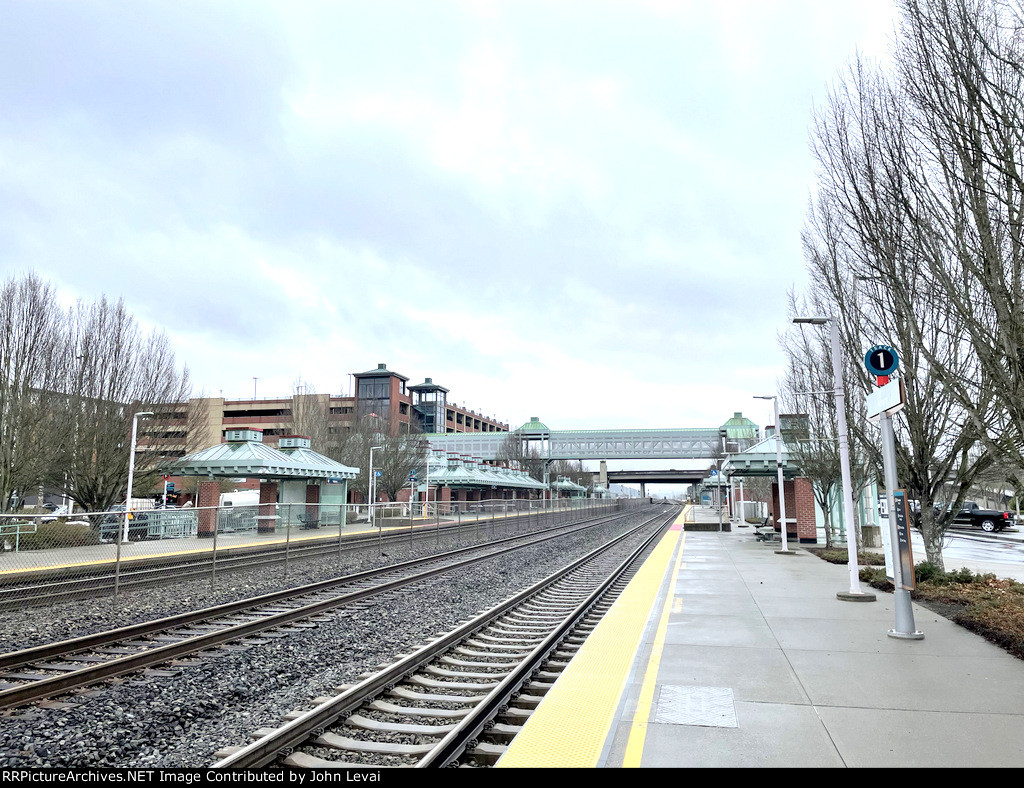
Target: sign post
x=882 y=405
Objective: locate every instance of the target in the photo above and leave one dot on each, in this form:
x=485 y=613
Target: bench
x=309 y=521
x=765 y=532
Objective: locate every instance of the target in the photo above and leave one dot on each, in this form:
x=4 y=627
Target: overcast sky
x=583 y=211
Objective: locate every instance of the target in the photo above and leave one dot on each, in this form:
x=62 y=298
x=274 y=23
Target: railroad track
x=460 y=699
x=90 y=583
x=44 y=671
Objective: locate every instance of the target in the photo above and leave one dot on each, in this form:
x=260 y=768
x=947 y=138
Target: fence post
x=213 y=563
x=117 y=564
x=341 y=525
x=287 y=538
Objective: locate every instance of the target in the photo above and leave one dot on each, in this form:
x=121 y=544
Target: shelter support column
x=806 y=522
x=312 y=501
x=799 y=507
x=265 y=522
x=208 y=496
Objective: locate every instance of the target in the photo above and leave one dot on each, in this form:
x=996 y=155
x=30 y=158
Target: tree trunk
x=932 y=536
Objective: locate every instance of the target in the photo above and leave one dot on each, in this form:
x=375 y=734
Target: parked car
x=988 y=520
x=138 y=526
x=57 y=511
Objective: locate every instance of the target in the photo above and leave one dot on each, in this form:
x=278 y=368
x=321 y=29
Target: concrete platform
x=741 y=657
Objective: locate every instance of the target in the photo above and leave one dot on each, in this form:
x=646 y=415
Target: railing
x=200 y=541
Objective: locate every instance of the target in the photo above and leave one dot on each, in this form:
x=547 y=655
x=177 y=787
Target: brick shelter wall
x=268 y=507
x=799 y=504
x=806 y=523
x=209 y=495
x=312 y=498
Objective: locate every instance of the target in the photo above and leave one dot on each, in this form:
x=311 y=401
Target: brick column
x=209 y=495
x=312 y=512
x=268 y=507
x=806 y=522
x=791 y=511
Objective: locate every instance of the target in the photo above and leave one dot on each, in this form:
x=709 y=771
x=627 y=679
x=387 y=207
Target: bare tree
x=517 y=453
x=310 y=416
x=573 y=471
x=960 y=69
x=32 y=359
x=864 y=248
x=757 y=488
x=115 y=372
x=401 y=455
x=397 y=455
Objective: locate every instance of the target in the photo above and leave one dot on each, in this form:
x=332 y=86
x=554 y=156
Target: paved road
x=1001 y=554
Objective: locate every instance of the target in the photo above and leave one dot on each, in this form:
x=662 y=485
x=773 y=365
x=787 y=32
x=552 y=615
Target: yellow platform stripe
x=570 y=727
x=638 y=730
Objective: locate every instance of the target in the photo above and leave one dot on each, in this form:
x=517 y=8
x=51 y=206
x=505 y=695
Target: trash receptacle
x=872 y=535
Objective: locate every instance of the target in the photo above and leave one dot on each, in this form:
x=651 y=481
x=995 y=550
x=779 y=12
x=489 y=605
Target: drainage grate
x=707 y=706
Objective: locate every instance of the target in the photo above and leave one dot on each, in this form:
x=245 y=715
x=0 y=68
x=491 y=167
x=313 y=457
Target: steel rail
x=21 y=694
x=455 y=743
x=266 y=749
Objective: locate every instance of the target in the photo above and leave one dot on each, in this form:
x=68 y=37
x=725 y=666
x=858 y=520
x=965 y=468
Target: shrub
x=58 y=534
x=842 y=557
x=926 y=571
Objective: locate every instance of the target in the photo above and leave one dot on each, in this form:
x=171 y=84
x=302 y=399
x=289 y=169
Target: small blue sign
x=377 y=474
x=882 y=360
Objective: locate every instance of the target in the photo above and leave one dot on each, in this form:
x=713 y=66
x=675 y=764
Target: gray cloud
x=523 y=198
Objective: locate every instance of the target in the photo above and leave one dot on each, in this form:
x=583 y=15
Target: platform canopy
x=249 y=457
x=563 y=484
x=760 y=460
x=455 y=473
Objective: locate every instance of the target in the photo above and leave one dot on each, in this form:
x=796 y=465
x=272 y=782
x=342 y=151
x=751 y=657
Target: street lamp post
x=778 y=466
x=131 y=470
x=855 y=593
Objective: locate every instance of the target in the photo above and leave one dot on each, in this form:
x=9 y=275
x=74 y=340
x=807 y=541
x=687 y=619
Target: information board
x=906 y=555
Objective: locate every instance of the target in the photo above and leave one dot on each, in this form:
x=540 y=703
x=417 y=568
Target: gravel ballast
x=181 y=721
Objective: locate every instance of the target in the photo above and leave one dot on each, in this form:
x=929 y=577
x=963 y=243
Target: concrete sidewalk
x=803 y=679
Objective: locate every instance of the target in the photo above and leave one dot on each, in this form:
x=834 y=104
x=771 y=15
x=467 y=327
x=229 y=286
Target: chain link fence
x=46 y=557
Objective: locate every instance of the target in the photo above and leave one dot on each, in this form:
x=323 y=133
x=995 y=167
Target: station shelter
x=452 y=477
x=760 y=460
x=293 y=474
x=564 y=487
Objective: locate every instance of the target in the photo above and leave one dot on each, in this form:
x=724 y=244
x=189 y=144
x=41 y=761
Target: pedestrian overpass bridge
x=700 y=443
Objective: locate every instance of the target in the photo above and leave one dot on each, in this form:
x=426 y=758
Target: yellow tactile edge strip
x=638 y=730
x=571 y=726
